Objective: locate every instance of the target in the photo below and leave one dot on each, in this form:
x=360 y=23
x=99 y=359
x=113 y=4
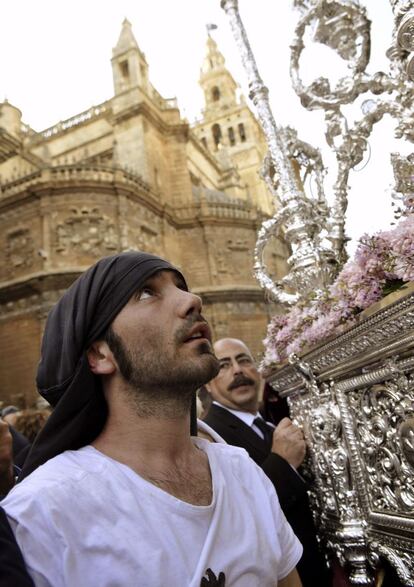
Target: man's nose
x=191 y=303
x=236 y=367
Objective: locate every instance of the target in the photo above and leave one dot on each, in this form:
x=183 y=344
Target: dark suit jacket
x=290 y=487
x=20 y=447
x=13 y=571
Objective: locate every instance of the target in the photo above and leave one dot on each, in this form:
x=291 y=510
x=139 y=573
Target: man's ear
x=100 y=358
x=208 y=387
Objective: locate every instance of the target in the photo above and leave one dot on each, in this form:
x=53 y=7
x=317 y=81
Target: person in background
x=20 y=444
x=279 y=450
x=29 y=422
x=6 y=459
x=9 y=414
x=13 y=572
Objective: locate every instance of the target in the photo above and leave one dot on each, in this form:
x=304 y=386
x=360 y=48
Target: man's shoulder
x=225 y=423
x=58 y=476
x=222 y=450
x=72 y=464
x=229 y=456
x=219 y=415
x=233 y=465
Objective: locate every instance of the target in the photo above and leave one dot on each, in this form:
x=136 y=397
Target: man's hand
x=289 y=443
x=6 y=459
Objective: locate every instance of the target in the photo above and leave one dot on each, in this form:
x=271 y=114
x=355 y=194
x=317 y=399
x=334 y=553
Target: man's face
x=160 y=339
x=237 y=384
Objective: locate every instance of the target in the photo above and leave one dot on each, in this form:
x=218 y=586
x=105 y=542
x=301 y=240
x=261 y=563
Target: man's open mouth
x=200 y=330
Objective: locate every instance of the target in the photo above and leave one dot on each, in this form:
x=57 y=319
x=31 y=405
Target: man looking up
x=278 y=451
x=119 y=493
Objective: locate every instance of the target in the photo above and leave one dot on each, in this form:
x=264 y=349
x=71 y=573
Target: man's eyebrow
x=239 y=356
x=180 y=282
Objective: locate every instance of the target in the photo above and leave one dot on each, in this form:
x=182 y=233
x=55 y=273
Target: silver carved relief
x=384 y=422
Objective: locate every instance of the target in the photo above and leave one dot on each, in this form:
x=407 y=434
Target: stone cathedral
x=131 y=173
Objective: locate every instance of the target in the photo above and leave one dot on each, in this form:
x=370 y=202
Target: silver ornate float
x=354 y=395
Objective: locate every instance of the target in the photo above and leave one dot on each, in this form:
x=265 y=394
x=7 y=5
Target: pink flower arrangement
x=382 y=263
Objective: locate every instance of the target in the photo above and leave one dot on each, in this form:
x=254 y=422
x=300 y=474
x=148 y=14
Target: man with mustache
x=115 y=490
x=278 y=451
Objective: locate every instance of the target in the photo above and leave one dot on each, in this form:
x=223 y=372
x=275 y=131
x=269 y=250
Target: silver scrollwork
x=343 y=27
x=313 y=265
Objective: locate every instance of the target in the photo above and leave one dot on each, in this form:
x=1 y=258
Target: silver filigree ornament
x=313 y=264
x=403 y=193
x=406 y=434
x=309 y=223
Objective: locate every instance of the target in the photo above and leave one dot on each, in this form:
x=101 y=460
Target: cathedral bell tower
x=129 y=66
x=228 y=128
x=216 y=82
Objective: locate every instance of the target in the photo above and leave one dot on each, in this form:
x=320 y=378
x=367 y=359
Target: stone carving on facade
x=19 y=249
x=221 y=264
x=230 y=252
x=238 y=244
x=220 y=326
x=142 y=229
x=147 y=239
x=85 y=230
x=38 y=304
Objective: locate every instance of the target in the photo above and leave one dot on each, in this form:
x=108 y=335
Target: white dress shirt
x=246 y=417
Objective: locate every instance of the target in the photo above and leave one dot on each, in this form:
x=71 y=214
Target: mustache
x=182 y=333
x=240 y=380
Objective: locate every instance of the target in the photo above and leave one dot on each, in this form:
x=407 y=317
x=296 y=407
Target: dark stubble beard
x=157 y=388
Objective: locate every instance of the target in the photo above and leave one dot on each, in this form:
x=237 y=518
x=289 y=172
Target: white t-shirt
x=86 y=520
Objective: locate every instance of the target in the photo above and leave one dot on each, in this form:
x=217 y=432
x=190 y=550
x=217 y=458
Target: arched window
x=215 y=94
x=204 y=141
x=124 y=67
x=216 y=130
x=232 y=138
x=242 y=132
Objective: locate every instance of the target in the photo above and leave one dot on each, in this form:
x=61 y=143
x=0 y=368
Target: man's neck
x=157 y=447
x=158 y=437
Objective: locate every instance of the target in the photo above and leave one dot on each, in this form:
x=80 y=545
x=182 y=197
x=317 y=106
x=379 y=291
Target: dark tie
x=266 y=429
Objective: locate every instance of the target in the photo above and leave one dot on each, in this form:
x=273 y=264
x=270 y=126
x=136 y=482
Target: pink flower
x=385 y=256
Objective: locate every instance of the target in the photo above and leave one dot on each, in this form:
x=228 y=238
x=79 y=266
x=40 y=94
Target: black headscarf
x=64 y=378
